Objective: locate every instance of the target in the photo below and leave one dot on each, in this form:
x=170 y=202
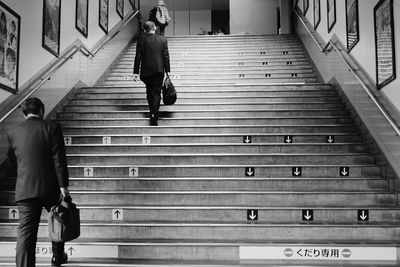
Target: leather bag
x=64 y=221
x=168 y=92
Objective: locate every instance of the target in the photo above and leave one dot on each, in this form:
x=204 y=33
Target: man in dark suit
x=152 y=58
x=36 y=148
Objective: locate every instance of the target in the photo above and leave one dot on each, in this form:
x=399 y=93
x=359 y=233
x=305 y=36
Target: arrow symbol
x=330 y=139
x=344 y=171
x=288 y=139
x=297 y=171
x=117 y=212
x=363 y=216
x=13 y=212
x=70 y=251
x=88 y=171
x=247 y=140
x=250 y=171
x=67 y=140
x=252 y=216
x=308 y=215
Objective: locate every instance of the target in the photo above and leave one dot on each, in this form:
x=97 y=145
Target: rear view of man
x=152 y=58
x=36 y=148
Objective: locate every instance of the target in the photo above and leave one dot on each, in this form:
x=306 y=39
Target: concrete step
x=229 y=80
x=342 y=159
x=294 y=113
x=265 y=214
x=256 y=138
x=280 y=170
x=228 y=231
x=216 y=148
x=230 y=88
x=221 y=183
x=211 y=129
x=204 y=121
x=229 y=100
x=205 y=106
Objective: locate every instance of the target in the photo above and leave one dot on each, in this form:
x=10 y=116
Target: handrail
x=71 y=50
x=112 y=34
x=353 y=71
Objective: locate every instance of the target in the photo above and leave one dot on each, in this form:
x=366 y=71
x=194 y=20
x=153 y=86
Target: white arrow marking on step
x=344 y=172
x=252 y=216
x=288 y=139
x=67 y=140
x=363 y=216
x=297 y=172
x=307 y=216
x=247 y=140
x=330 y=140
x=250 y=172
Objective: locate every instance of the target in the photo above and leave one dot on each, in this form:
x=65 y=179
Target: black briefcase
x=64 y=221
x=168 y=92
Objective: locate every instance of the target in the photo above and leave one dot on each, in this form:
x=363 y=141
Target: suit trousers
x=154 y=84
x=29 y=217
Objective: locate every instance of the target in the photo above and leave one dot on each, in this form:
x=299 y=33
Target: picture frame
x=10 y=29
x=352 y=27
x=331 y=14
x=133 y=3
x=51 y=26
x=120 y=8
x=384 y=43
x=306 y=5
x=81 y=16
x=103 y=15
x=317 y=13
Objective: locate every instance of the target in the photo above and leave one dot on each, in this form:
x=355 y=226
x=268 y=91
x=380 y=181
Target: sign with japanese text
x=328 y=253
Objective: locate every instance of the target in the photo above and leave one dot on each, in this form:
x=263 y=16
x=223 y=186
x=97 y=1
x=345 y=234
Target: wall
x=253 y=16
x=333 y=69
x=32 y=56
x=364 y=51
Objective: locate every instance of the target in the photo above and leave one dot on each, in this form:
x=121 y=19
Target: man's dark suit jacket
x=152 y=55
x=37 y=148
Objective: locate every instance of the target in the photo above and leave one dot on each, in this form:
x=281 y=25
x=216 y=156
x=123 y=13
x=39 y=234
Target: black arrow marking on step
x=363 y=215
x=249 y=171
x=71 y=250
x=296 y=171
x=307 y=215
x=252 y=215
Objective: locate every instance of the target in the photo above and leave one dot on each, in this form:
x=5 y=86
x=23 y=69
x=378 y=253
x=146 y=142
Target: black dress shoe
x=153 y=121
x=58 y=261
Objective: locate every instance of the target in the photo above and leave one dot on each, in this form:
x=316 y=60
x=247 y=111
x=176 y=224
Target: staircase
x=256 y=163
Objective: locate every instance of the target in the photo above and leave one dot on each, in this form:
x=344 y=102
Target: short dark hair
x=32 y=105
x=148 y=26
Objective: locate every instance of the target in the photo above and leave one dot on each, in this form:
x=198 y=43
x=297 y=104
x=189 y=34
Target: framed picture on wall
x=331 y=14
x=10 y=28
x=352 y=24
x=133 y=3
x=317 y=13
x=120 y=8
x=384 y=43
x=306 y=4
x=51 y=26
x=81 y=16
x=103 y=15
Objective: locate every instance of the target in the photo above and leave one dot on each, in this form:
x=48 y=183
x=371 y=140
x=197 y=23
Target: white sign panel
x=318 y=253
x=117 y=214
x=13 y=214
x=106 y=140
x=146 y=139
x=43 y=250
